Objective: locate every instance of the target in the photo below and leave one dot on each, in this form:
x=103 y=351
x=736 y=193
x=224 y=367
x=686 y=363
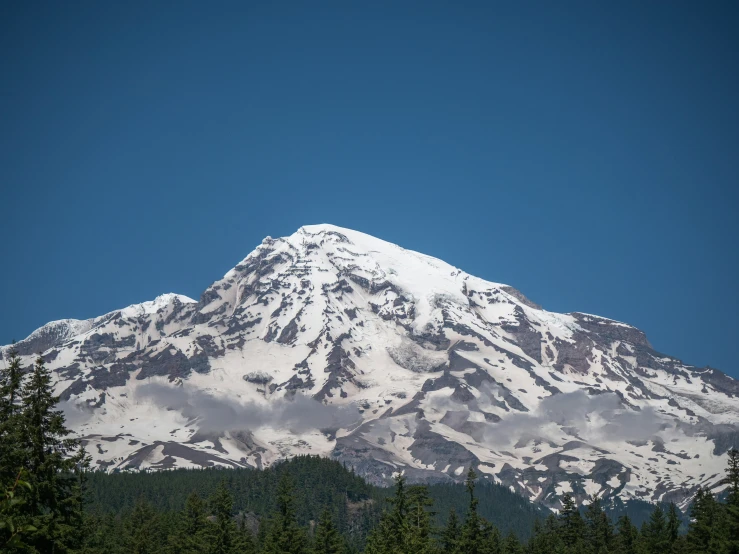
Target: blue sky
x=583 y=152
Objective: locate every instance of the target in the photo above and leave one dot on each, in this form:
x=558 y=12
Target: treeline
x=323 y=485
x=51 y=503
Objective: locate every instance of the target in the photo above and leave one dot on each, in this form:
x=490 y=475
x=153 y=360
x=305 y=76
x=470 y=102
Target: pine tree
x=732 y=501
x=389 y=536
x=513 y=545
x=417 y=527
x=285 y=536
x=11 y=378
x=223 y=534
x=327 y=539
x=547 y=538
x=245 y=543
x=55 y=464
x=450 y=535
x=673 y=524
x=599 y=530
x=656 y=536
x=471 y=539
x=627 y=540
x=143 y=533
x=571 y=525
x=190 y=536
x=15 y=486
x=12 y=456
x=492 y=542
x=707 y=530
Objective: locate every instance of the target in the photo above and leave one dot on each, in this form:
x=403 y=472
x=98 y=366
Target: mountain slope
x=333 y=342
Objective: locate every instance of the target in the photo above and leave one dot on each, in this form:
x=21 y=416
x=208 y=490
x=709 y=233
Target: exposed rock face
x=414 y=366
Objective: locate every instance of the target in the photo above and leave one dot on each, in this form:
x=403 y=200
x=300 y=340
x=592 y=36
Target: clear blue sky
x=586 y=153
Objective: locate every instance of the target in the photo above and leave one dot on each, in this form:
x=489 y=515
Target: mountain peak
x=330 y=341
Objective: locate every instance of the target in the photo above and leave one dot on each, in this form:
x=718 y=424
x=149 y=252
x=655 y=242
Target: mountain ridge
x=416 y=366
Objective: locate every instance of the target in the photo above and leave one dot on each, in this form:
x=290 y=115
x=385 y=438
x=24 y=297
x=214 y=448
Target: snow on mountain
x=333 y=342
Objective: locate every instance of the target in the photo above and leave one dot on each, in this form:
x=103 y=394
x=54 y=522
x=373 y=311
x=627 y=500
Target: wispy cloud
x=299 y=413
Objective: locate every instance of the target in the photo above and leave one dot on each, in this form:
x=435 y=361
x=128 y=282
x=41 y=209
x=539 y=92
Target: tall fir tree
x=143 y=532
x=190 y=535
x=417 y=531
x=673 y=524
x=284 y=534
x=12 y=455
x=223 y=536
x=388 y=535
x=599 y=529
x=572 y=526
x=55 y=464
x=15 y=485
x=471 y=539
x=655 y=533
x=450 y=534
x=513 y=545
x=627 y=539
x=707 y=531
x=732 y=501
x=327 y=539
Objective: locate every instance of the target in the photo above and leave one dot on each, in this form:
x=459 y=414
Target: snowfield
x=333 y=342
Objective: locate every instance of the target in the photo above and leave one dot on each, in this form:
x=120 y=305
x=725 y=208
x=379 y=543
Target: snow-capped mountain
x=333 y=342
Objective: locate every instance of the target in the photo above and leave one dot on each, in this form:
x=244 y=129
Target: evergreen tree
x=416 y=530
x=245 y=541
x=656 y=534
x=513 y=545
x=327 y=539
x=547 y=538
x=732 y=501
x=55 y=465
x=673 y=524
x=476 y=535
x=285 y=536
x=15 y=485
x=707 y=531
x=471 y=539
x=599 y=530
x=572 y=527
x=11 y=378
x=223 y=534
x=627 y=540
x=492 y=542
x=450 y=535
x=191 y=531
x=12 y=456
x=142 y=529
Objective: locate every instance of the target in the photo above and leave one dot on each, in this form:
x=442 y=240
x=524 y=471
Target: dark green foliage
x=708 y=529
x=285 y=536
x=497 y=504
x=41 y=468
x=627 y=539
x=406 y=527
x=223 y=533
x=732 y=501
x=655 y=532
x=599 y=529
x=450 y=535
x=327 y=539
x=471 y=539
x=142 y=529
x=572 y=525
x=513 y=545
